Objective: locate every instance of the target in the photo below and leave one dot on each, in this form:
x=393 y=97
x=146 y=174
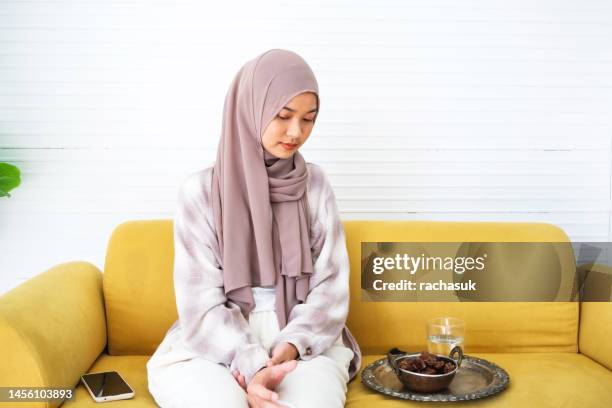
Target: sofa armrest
x=52 y=328
x=596 y=317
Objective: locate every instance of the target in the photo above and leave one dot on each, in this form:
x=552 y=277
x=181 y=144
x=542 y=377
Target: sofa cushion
x=133 y=370
x=596 y=331
x=490 y=326
x=138 y=286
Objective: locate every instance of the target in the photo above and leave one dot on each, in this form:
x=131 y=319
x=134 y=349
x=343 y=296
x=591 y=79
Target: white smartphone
x=107 y=386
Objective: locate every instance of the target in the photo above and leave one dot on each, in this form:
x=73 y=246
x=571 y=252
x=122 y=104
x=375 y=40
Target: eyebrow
x=293 y=110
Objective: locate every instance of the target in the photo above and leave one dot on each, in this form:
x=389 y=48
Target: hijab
x=259 y=201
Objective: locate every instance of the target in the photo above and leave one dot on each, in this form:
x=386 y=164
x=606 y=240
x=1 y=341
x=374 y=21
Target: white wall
x=431 y=110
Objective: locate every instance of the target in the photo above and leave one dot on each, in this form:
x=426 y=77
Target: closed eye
x=285 y=118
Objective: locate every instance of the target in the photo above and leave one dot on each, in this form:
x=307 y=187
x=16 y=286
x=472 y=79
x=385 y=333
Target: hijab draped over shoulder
x=260 y=205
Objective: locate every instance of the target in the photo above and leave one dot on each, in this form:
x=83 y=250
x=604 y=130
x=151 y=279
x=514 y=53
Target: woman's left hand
x=283 y=352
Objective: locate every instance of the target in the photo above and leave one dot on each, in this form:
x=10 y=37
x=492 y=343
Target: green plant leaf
x=10 y=177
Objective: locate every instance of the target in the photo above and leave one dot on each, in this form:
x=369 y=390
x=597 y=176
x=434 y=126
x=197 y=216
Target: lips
x=288 y=146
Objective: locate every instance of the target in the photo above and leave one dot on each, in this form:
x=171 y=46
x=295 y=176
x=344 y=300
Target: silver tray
x=476 y=378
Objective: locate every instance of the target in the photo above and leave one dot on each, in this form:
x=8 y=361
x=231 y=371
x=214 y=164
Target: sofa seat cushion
x=536 y=380
x=132 y=368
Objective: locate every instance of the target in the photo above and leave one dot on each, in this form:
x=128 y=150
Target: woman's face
x=288 y=131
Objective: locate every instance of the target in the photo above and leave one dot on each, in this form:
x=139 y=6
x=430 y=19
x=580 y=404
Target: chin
x=283 y=154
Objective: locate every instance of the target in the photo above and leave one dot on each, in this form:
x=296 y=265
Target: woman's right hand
x=260 y=391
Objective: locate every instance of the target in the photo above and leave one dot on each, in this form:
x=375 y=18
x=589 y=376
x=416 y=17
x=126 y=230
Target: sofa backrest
x=141 y=306
x=490 y=326
x=138 y=286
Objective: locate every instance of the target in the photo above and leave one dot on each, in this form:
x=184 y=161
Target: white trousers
x=180 y=379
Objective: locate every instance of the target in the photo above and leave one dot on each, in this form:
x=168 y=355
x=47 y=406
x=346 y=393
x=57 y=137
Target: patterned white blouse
x=214 y=327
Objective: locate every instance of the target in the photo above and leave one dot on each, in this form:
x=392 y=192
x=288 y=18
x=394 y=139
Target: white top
x=265 y=298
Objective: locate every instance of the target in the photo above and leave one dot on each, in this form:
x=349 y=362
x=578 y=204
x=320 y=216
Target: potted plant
x=10 y=177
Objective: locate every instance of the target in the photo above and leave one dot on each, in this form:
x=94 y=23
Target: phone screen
x=106 y=384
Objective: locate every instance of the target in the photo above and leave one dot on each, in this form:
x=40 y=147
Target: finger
x=264 y=393
x=253 y=401
x=280 y=371
x=288 y=365
x=278 y=377
x=276 y=359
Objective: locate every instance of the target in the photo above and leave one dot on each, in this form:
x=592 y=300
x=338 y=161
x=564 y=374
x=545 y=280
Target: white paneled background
x=431 y=110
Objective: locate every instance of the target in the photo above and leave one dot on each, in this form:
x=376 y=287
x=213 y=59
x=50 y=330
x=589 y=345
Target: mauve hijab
x=259 y=201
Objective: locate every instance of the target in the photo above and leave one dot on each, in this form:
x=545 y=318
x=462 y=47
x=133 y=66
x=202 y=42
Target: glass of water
x=444 y=333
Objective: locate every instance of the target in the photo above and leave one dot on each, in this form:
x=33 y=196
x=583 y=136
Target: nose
x=294 y=130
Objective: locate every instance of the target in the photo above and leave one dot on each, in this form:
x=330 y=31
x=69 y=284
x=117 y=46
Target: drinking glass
x=444 y=333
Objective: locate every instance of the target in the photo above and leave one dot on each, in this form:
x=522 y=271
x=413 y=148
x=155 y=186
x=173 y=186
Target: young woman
x=261 y=270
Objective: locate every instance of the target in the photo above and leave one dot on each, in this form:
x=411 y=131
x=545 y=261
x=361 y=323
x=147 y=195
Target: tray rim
x=501 y=380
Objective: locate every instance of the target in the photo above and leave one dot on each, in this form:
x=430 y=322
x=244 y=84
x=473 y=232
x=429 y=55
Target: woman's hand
x=240 y=379
x=260 y=391
x=283 y=352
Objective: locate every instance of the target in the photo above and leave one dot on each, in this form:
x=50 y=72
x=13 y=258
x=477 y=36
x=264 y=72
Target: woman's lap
x=178 y=378
x=324 y=375
x=198 y=382
x=195 y=383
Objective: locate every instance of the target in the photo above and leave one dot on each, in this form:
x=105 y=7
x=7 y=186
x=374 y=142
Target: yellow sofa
x=72 y=319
